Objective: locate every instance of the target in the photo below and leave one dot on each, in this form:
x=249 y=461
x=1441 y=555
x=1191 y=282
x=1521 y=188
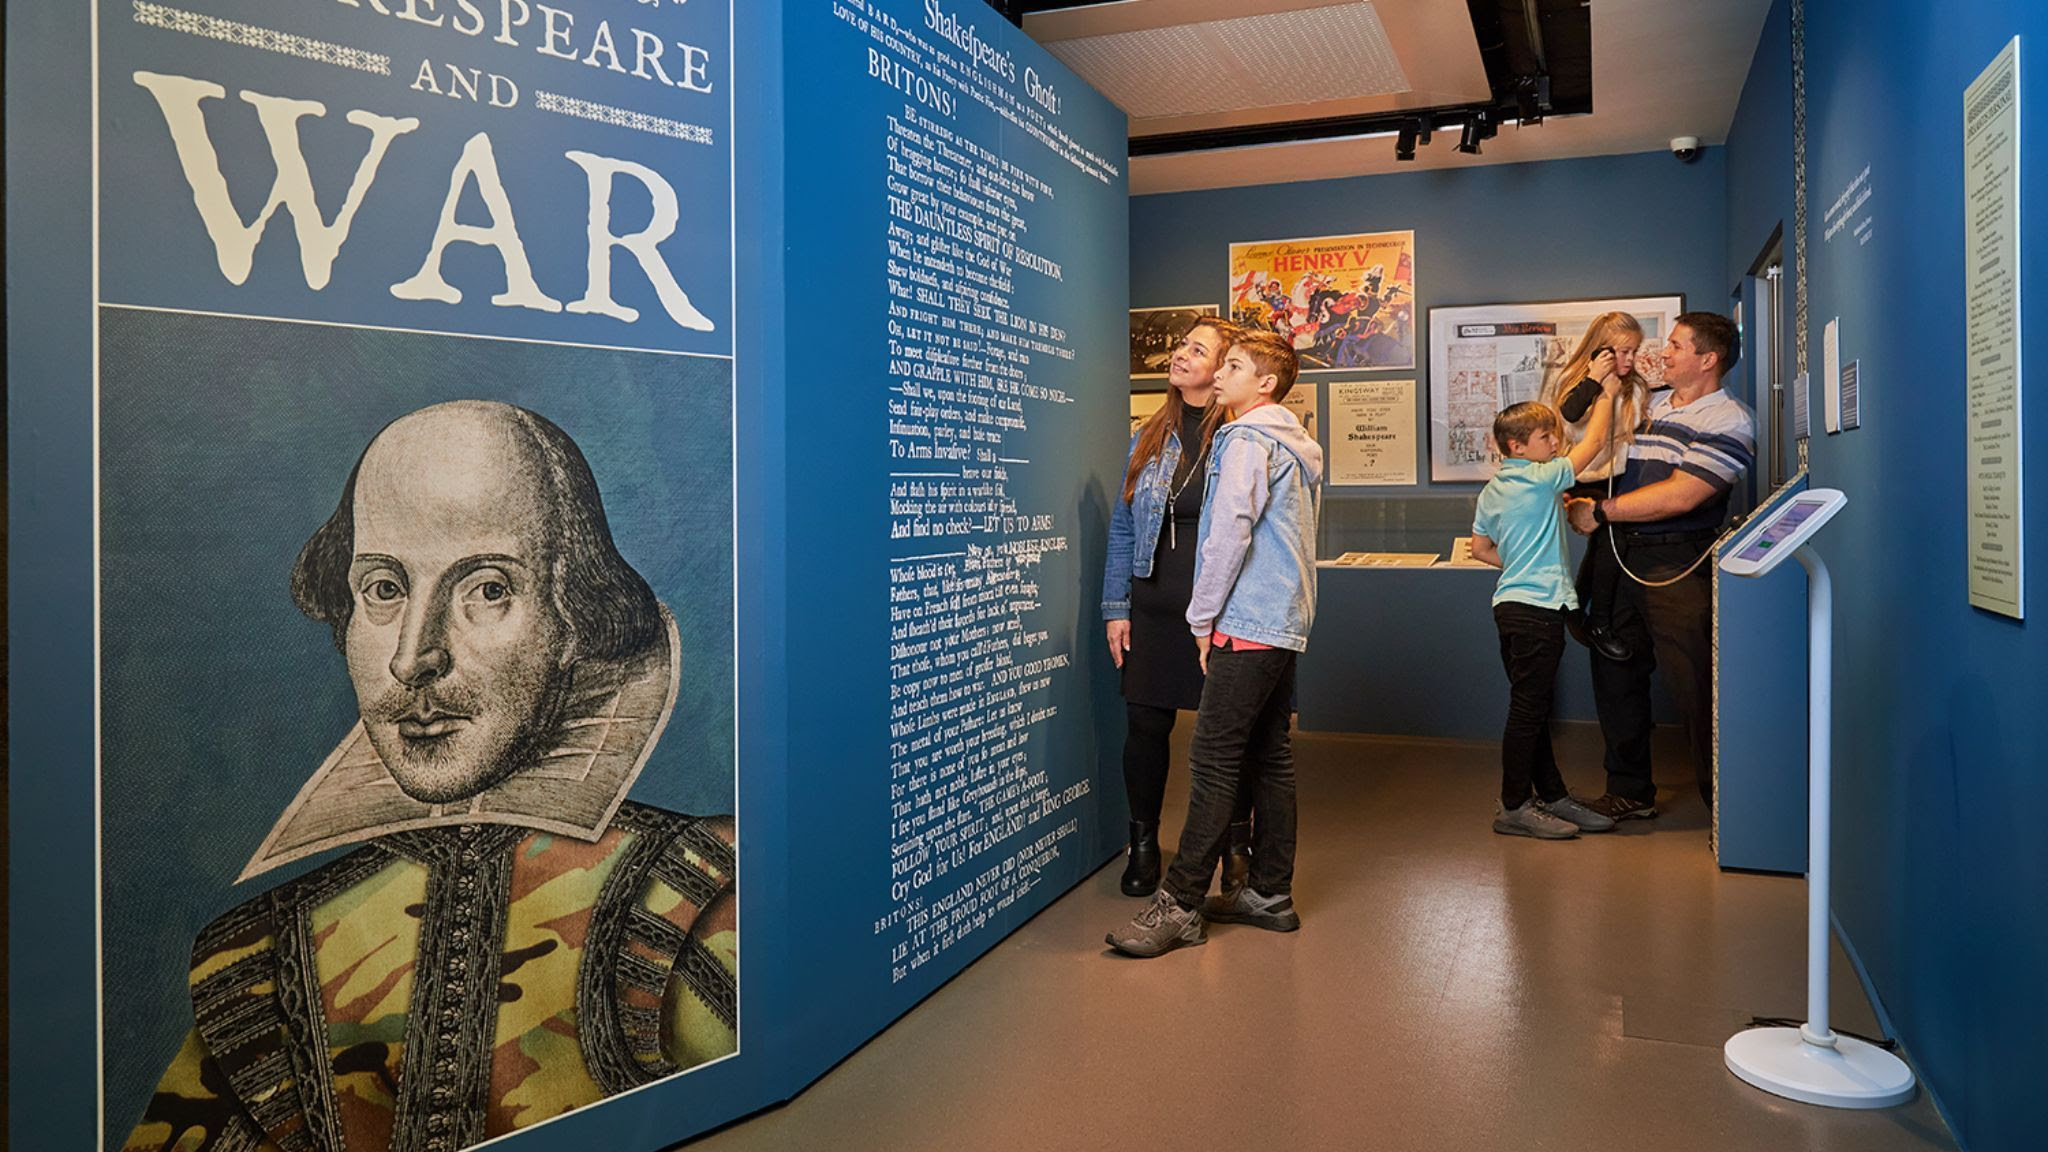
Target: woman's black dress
x=1163 y=668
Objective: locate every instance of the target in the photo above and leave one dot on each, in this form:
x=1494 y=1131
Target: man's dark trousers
x=1669 y=628
x=1531 y=644
x=1240 y=742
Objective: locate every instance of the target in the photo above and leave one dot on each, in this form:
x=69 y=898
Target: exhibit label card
x=1372 y=432
x=1991 y=290
x=1831 y=375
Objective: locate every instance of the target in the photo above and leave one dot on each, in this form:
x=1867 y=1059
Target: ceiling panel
x=1661 y=68
x=1401 y=54
x=1265 y=60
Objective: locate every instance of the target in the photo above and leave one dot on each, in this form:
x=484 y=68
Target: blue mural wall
x=956 y=268
x=816 y=295
x=1937 y=871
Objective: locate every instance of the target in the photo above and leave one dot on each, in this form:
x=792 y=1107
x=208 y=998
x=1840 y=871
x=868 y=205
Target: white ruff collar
x=614 y=717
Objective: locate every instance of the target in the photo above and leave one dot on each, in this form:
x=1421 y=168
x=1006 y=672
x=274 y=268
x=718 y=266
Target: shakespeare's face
x=454 y=645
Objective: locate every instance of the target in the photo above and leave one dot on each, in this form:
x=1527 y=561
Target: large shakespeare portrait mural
x=505 y=888
x=416 y=587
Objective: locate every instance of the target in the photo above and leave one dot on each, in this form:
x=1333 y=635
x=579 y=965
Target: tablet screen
x=1779 y=529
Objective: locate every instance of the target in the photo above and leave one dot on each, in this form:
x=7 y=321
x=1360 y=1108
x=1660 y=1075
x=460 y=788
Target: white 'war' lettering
x=320 y=241
x=234 y=243
x=478 y=163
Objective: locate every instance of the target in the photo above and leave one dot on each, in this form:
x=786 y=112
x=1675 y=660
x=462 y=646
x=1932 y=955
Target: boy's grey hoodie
x=1255 y=572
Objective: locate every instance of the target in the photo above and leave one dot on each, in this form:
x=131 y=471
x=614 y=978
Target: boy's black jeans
x=1240 y=740
x=1531 y=644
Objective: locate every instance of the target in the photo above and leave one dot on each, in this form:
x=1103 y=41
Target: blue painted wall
x=1403 y=652
x=1758 y=165
x=1637 y=225
x=1760 y=703
x=1941 y=869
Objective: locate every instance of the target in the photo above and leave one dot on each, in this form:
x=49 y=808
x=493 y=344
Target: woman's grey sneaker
x=1159 y=928
x=1243 y=906
x=1532 y=820
x=1570 y=810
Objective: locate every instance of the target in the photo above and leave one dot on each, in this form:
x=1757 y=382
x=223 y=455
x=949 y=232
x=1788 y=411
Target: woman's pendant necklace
x=1173 y=498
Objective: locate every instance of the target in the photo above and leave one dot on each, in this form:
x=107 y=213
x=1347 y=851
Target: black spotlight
x=1470 y=136
x=1532 y=99
x=1404 y=142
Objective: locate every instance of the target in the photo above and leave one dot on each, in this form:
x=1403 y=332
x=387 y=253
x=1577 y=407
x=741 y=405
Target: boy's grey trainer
x=1531 y=820
x=1243 y=906
x=1569 y=809
x=1159 y=928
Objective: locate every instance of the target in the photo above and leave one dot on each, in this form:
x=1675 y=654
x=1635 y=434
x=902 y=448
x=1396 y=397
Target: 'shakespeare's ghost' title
x=962 y=35
x=288 y=124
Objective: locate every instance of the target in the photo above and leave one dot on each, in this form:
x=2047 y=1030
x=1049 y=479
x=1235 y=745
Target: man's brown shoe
x=1619 y=808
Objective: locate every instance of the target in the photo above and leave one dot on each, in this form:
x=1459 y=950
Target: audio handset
x=1574 y=404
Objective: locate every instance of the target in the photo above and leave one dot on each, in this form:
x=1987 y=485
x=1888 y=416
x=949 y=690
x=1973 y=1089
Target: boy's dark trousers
x=1531 y=644
x=1240 y=743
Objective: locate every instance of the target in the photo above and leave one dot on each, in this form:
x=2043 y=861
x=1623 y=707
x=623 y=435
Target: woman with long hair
x=1154 y=531
x=1608 y=349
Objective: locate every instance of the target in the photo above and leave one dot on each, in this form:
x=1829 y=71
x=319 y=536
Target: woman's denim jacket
x=1134 y=526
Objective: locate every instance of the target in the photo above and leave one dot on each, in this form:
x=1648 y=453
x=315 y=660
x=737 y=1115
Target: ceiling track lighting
x=1532 y=99
x=1405 y=140
x=1470 y=136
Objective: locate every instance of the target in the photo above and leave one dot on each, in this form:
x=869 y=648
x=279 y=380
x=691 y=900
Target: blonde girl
x=1607 y=349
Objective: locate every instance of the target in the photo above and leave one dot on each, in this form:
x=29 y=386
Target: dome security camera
x=1685 y=148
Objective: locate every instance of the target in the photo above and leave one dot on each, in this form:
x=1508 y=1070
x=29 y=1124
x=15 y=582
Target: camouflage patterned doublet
x=442 y=986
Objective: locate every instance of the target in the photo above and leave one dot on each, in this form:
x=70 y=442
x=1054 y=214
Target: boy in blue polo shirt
x=1518 y=528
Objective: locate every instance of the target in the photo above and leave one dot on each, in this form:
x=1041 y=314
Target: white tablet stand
x=1812 y=1063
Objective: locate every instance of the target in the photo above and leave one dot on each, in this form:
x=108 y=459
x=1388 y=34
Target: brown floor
x=1450 y=989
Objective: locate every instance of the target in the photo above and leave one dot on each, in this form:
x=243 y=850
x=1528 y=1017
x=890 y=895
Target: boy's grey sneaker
x=1570 y=810
x=1531 y=820
x=1241 y=905
x=1159 y=928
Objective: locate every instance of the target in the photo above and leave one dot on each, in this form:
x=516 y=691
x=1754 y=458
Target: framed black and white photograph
x=1154 y=332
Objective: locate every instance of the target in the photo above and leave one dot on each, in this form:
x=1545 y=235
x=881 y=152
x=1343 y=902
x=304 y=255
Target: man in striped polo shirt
x=1668 y=507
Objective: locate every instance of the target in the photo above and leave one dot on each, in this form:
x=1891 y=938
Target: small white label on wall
x=1831 y=376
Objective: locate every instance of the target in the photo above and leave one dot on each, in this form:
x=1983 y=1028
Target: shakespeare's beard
x=449 y=740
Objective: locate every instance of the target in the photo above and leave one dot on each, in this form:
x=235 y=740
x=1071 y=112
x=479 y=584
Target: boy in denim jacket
x=1253 y=603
